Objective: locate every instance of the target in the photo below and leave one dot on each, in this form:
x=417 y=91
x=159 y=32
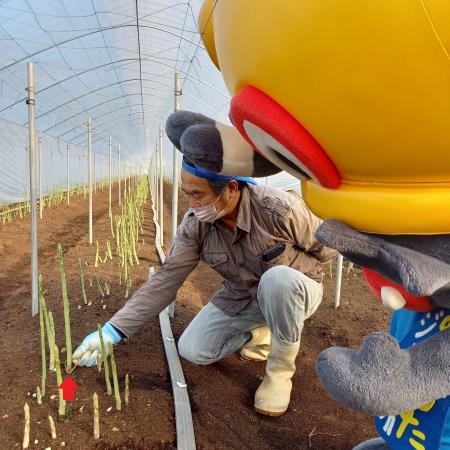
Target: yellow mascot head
x=351 y=96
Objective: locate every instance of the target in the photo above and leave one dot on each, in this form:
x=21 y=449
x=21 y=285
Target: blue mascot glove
x=90 y=349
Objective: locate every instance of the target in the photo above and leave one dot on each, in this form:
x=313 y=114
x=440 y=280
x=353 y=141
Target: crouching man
x=261 y=241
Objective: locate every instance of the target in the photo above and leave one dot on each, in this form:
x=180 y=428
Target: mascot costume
x=353 y=97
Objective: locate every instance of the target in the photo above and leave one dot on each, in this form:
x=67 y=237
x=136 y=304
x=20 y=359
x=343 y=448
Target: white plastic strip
x=337 y=294
x=183 y=413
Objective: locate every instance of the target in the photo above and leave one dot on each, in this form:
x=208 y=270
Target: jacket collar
x=243 y=220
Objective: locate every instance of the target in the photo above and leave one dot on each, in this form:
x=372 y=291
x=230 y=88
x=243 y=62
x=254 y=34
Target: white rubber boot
x=274 y=393
x=258 y=347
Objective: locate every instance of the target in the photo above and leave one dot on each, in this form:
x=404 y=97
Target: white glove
x=89 y=350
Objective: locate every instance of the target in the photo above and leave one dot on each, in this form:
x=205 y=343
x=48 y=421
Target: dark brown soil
x=221 y=394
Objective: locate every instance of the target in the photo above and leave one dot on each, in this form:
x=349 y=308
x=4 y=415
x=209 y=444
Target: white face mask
x=209 y=213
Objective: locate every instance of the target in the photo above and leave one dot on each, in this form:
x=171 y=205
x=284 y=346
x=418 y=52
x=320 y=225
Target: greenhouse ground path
x=221 y=394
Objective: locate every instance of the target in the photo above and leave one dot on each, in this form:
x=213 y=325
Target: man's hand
x=89 y=350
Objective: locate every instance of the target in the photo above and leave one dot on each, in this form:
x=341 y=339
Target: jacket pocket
x=215 y=258
x=219 y=262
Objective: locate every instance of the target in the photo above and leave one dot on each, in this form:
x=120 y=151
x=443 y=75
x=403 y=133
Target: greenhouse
x=218 y=226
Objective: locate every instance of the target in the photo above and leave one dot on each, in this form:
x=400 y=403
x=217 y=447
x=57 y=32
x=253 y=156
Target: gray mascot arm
x=380 y=378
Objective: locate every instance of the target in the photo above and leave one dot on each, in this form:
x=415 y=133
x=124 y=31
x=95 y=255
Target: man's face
x=200 y=193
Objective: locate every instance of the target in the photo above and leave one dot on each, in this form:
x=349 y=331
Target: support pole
x=33 y=213
x=337 y=294
x=101 y=172
x=130 y=178
x=68 y=174
x=156 y=182
x=125 y=172
x=51 y=171
x=175 y=178
x=153 y=173
x=176 y=165
x=89 y=125
x=118 y=176
x=161 y=185
x=84 y=171
x=41 y=201
x=110 y=176
x=79 y=171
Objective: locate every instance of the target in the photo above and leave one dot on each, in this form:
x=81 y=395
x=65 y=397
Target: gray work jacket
x=267 y=216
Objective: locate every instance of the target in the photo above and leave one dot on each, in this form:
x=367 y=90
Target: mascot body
x=353 y=98
x=427 y=427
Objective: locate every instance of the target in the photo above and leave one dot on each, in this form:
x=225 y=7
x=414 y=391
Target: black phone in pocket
x=272 y=252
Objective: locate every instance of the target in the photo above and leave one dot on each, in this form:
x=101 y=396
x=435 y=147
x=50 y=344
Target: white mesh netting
x=110 y=60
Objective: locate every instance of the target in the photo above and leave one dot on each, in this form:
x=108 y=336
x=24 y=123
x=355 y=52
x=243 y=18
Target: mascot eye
x=280 y=138
x=275 y=152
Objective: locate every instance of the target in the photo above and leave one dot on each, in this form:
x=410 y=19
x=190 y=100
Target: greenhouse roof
x=111 y=60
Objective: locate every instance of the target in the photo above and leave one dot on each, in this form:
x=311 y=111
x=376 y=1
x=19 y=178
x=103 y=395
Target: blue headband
x=203 y=173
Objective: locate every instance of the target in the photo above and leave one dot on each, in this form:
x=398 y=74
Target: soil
x=221 y=394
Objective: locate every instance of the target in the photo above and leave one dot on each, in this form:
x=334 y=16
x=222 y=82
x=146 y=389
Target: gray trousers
x=286 y=298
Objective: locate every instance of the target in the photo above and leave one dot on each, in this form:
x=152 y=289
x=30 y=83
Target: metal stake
x=176 y=165
x=51 y=170
x=41 y=202
x=89 y=126
x=68 y=174
x=118 y=176
x=175 y=178
x=33 y=213
x=161 y=186
x=110 y=175
x=84 y=171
